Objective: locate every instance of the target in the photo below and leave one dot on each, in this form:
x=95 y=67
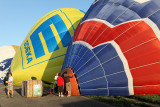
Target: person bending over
x=68 y=83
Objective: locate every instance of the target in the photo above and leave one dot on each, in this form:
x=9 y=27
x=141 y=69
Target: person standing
x=10 y=85
x=60 y=83
x=55 y=79
x=68 y=84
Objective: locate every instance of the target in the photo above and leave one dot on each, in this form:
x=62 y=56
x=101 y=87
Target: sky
x=18 y=16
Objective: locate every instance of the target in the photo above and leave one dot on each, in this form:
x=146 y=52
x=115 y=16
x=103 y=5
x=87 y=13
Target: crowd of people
x=61 y=82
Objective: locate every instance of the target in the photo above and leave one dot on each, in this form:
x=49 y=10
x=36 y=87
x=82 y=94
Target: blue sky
x=18 y=16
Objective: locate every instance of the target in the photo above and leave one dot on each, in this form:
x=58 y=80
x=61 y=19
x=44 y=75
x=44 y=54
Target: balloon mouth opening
x=74 y=81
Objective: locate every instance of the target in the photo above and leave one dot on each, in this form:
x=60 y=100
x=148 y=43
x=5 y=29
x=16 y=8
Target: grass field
x=131 y=101
x=154 y=99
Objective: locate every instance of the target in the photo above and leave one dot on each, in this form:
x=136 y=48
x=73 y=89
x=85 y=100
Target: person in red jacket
x=60 y=83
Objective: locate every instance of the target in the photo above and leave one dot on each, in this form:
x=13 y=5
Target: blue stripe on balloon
x=102 y=92
x=50 y=40
x=36 y=42
x=37 y=45
x=62 y=30
x=68 y=19
x=83 y=11
x=114 y=91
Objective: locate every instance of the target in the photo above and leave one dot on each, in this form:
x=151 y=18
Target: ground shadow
x=85 y=103
x=6 y=91
x=46 y=91
x=19 y=91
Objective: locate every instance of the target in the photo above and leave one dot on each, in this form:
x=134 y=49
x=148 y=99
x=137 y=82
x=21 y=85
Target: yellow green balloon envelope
x=42 y=53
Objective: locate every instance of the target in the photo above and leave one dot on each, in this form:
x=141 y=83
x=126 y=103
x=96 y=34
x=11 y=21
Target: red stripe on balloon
x=147 y=90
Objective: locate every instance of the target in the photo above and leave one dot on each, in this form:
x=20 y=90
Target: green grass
x=155 y=99
x=119 y=101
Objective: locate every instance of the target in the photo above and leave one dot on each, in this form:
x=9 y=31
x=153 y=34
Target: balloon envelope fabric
x=116 y=48
x=5 y=68
x=6 y=55
x=7 y=52
x=42 y=53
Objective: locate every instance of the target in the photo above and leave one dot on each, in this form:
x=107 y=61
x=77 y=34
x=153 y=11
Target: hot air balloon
x=6 y=55
x=116 y=49
x=7 y=52
x=42 y=53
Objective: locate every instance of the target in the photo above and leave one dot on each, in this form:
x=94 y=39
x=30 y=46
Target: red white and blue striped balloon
x=116 y=48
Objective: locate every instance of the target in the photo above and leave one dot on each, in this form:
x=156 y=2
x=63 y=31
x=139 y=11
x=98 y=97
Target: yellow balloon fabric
x=15 y=47
x=42 y=53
